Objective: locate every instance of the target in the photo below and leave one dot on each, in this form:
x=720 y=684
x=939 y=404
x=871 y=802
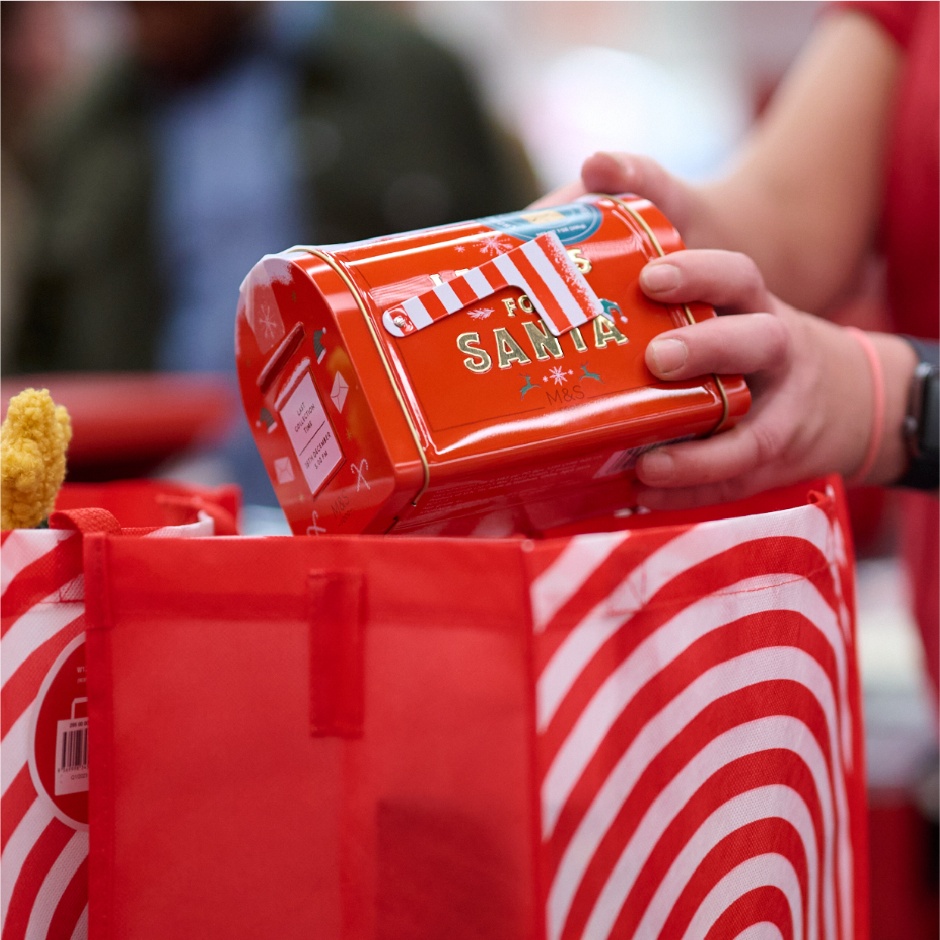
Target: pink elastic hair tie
x=878 y=417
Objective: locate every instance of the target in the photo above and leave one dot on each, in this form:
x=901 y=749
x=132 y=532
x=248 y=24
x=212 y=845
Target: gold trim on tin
x=357 y=294
x=725 y=406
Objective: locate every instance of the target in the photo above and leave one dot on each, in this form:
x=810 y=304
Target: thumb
x=628 y=173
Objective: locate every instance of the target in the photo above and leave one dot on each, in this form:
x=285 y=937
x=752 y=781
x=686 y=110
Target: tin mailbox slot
x=286 y=348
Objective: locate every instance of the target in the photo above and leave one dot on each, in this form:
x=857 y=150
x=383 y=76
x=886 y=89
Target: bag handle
x=541 y=267
x=86 y=520
x=337 y=669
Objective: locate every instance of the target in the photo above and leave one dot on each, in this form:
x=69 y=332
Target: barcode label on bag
x=71 y=770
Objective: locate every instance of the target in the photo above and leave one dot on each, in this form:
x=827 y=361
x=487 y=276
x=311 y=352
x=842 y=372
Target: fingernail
x=667 y=355
x=659 y=277
x=656 y=467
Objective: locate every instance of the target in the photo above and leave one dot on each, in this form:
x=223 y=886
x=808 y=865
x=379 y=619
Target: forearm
x=803 y=198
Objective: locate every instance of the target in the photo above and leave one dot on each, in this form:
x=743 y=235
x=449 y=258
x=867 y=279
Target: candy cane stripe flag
x=541 y=268
x=698 y=743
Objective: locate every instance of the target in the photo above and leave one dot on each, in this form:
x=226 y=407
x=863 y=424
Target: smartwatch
x=922 y=422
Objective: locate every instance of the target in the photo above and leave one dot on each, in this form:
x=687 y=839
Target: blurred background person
x=226 y=131
x=45 y=47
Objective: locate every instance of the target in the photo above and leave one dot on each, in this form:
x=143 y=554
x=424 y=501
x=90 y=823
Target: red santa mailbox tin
x=483 y=378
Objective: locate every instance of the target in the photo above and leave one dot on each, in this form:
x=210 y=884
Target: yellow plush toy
x=33 y=442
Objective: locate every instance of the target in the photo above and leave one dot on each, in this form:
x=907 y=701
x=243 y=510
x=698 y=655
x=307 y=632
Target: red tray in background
x=127 y=425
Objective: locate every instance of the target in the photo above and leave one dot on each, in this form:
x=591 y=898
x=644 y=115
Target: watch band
x=922 y=423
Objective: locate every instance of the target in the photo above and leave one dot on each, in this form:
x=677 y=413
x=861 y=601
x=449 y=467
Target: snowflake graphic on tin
x=558 y=375
x=494 y=245
x=481 y=313
x=267 y=323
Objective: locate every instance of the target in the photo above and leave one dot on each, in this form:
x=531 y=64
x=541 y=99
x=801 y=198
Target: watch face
x=929 y=429
x=922 y=422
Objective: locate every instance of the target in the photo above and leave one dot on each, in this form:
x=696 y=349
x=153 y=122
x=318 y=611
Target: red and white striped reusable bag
x=698 y=732
x=44 y=758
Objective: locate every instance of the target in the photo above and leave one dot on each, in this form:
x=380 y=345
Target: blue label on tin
x=572 y=223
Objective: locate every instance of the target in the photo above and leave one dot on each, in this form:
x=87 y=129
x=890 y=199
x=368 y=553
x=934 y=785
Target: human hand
x=811 y=383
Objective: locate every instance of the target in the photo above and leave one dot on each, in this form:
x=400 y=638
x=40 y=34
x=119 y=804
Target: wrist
x=889 y=381
x=839 y=397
